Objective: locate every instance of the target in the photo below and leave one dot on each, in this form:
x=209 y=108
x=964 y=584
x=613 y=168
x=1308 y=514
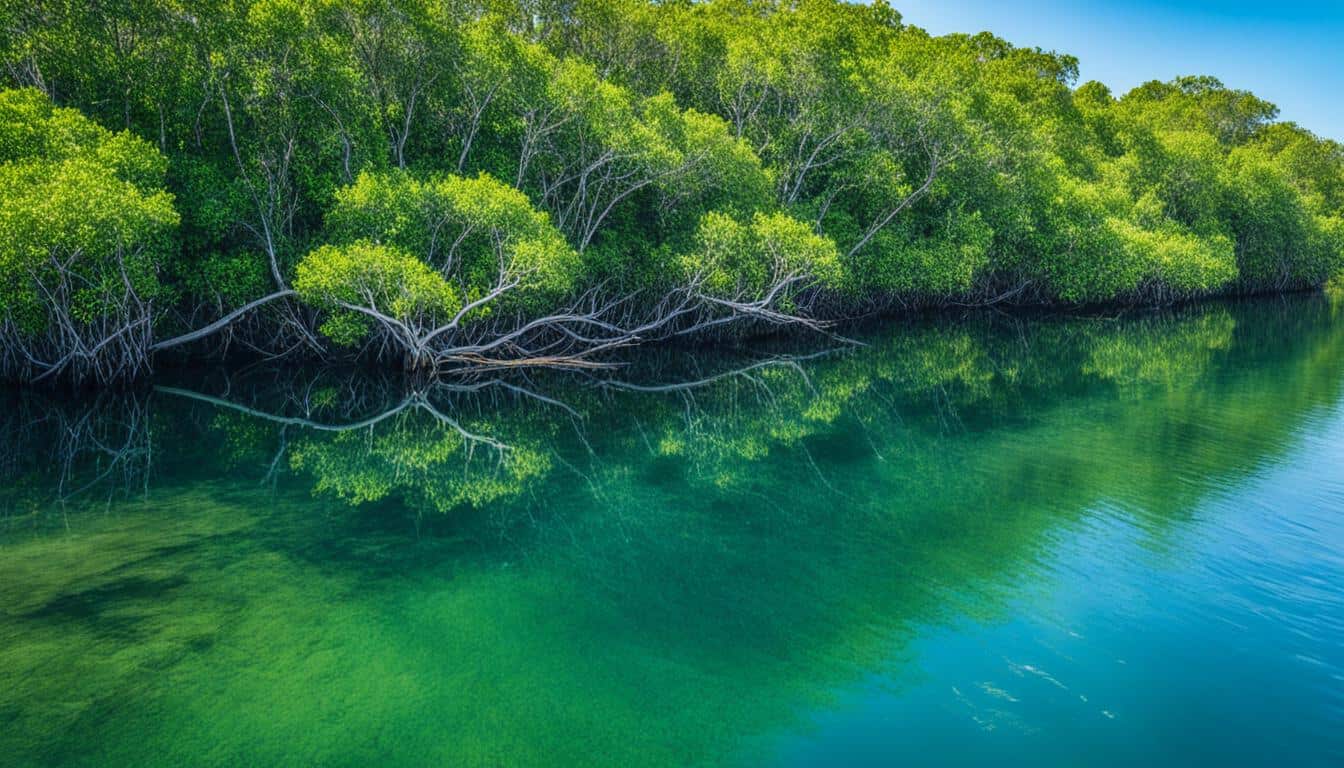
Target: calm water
x=1105 y=541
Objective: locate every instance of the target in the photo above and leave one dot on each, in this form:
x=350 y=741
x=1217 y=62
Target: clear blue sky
x=1290 y=52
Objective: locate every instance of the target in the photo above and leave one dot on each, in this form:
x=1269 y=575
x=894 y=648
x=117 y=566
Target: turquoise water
x=1106 y=540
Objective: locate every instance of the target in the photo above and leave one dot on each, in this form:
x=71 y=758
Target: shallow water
x=1105 y=541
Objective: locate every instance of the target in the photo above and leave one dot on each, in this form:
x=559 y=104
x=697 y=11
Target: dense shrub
x=85 y=228
x=616 y=157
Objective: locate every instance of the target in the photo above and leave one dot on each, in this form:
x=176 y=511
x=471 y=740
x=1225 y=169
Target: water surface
x=1106 y=540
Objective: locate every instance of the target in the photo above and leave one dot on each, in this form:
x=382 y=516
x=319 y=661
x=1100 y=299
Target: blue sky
x=1290 y=52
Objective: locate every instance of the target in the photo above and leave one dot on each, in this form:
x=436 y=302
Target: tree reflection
x=713 y=420
x=56 y=454
x=742 y=536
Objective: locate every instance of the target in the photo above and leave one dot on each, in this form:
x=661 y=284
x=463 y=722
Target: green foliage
x=607 y=145
x=383 y=278
x=939 y=262
x=477 y=234
x=744 y=261
x=84 y=222
x=1282 y=243
x=32 y=128
x=231 y=277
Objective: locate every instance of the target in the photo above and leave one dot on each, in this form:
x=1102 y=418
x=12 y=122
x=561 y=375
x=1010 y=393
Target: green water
x=1110 y=540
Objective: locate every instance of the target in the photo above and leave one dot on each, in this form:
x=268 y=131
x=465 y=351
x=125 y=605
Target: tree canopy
x=605 y=170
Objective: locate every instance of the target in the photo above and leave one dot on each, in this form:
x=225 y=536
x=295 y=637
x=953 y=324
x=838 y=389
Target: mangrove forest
x=469 y=186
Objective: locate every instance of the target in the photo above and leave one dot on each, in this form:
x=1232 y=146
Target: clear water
x=1104 y=541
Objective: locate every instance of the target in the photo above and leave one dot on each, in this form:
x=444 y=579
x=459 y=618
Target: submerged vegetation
x=449 y=184
x=323 y=570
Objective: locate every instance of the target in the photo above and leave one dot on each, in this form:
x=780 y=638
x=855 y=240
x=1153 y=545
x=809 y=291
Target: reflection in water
x=675 y=566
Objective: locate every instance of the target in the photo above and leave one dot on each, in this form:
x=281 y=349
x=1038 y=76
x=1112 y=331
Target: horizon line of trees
x=458 y=184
